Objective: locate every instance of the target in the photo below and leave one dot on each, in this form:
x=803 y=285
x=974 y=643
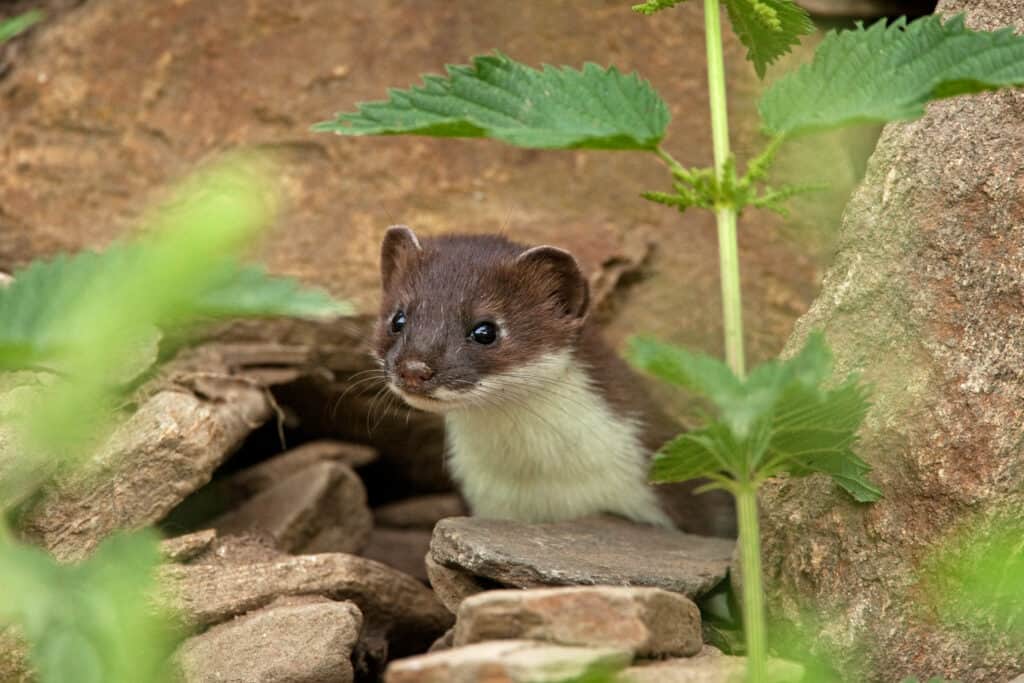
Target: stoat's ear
x=556 y=271
x=399 y=249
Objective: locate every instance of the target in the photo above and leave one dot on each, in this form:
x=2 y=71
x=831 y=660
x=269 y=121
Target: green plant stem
x=728 y=251
x=750 y=567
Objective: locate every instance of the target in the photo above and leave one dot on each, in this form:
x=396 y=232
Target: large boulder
x=927 y=299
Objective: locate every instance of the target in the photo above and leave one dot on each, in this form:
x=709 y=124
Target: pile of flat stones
x=301 y=581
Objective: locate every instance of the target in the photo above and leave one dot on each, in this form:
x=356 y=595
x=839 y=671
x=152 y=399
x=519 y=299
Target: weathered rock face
x=927 y=299
x=650 y=622
x=590 y=551
x=298 y=643
x=506 y=661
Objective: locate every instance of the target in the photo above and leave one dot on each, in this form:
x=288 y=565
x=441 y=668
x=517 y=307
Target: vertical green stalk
x=728 y=251
x=750 y=567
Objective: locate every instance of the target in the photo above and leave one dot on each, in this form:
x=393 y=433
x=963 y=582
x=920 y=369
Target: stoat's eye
x=397 y=322
x=484 y=333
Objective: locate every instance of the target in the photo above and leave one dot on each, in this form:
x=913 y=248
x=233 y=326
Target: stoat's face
x=465 y=318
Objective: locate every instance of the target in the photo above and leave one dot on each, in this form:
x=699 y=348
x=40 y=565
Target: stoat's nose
x=414 y=373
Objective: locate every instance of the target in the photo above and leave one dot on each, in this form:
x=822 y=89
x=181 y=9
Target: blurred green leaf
x=15 y=25
x=780 y=419
x=768 y=28
x=499 y=98
x=94 y=621
x=888 y=73
x=653 y=6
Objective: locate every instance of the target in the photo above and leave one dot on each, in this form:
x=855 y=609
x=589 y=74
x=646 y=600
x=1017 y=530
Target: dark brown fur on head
x=446 y=286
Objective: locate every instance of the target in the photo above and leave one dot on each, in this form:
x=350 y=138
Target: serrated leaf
x=93 y=621
x=780 y=419
x=888 y=73
x=15 y=25
x=499 y=98
x=250 y=292
x=768 y=28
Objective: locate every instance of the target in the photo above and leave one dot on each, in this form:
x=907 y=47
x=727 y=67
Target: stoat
x=544 y=421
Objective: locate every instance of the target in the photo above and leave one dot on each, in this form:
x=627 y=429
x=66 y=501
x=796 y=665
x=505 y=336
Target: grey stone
x=303 y=643
x=421 y=512
x=187 y=547
x=649 y=622
x=591 y=551
x=926 y=301
x=506 y=661
x=393 y=602
x=320 y=508
x=451 y=586
x=403 y=549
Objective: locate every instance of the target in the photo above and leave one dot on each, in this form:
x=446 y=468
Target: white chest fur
x=541 y=444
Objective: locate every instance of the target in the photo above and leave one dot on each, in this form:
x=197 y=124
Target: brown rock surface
x=451 y=586
x=388 y=599
x=707 y=668
x=927 y=300
x=403 y=549
x=252 y=480
x=308 y=643
x=649 y=622
x=186 y=547
x=166 y=449
x=320 y=508
x=421 y=512
x=506 y=661
x=591 y=551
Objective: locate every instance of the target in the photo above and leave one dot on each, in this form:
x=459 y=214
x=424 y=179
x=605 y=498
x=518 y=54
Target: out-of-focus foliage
x=12 y=27
x=93 y=622
x=781 y=418
x=976 y=578
x=84 y=319
x=499 y=98
x=890 y=72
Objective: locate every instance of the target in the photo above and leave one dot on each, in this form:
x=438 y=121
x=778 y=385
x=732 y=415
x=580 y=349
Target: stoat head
x=470 y=321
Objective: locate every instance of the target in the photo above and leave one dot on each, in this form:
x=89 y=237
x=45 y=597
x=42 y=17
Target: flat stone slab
x=304 y=643
x=707 y=668
x=506 y=661
x=650 y=622
x=590 y=551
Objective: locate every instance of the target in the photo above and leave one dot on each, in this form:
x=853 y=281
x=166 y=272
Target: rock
x=591 y=551
x=451 y=586
x=867 y=9
x=506 y=661
x=254 y=479
x=925 y=300
x=308 y=643
x=650 y=622
x=421 y=512
x=320 y=508
x=403 y=549
x=187 y=547
x=445 y=642
x=389 y=600
x=707 y=668
x=238 y=550
x=166 y=449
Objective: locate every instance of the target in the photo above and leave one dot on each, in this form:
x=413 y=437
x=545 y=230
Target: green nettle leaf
x=43 y=294
x=94 y=621
x=779 y=420
x=496 y=97
x=888 y=73
x=768 y=28
x=653 y=6
x=12 y=27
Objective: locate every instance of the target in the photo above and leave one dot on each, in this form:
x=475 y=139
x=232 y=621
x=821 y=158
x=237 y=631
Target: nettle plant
x=786 y=416
x=87 y=326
